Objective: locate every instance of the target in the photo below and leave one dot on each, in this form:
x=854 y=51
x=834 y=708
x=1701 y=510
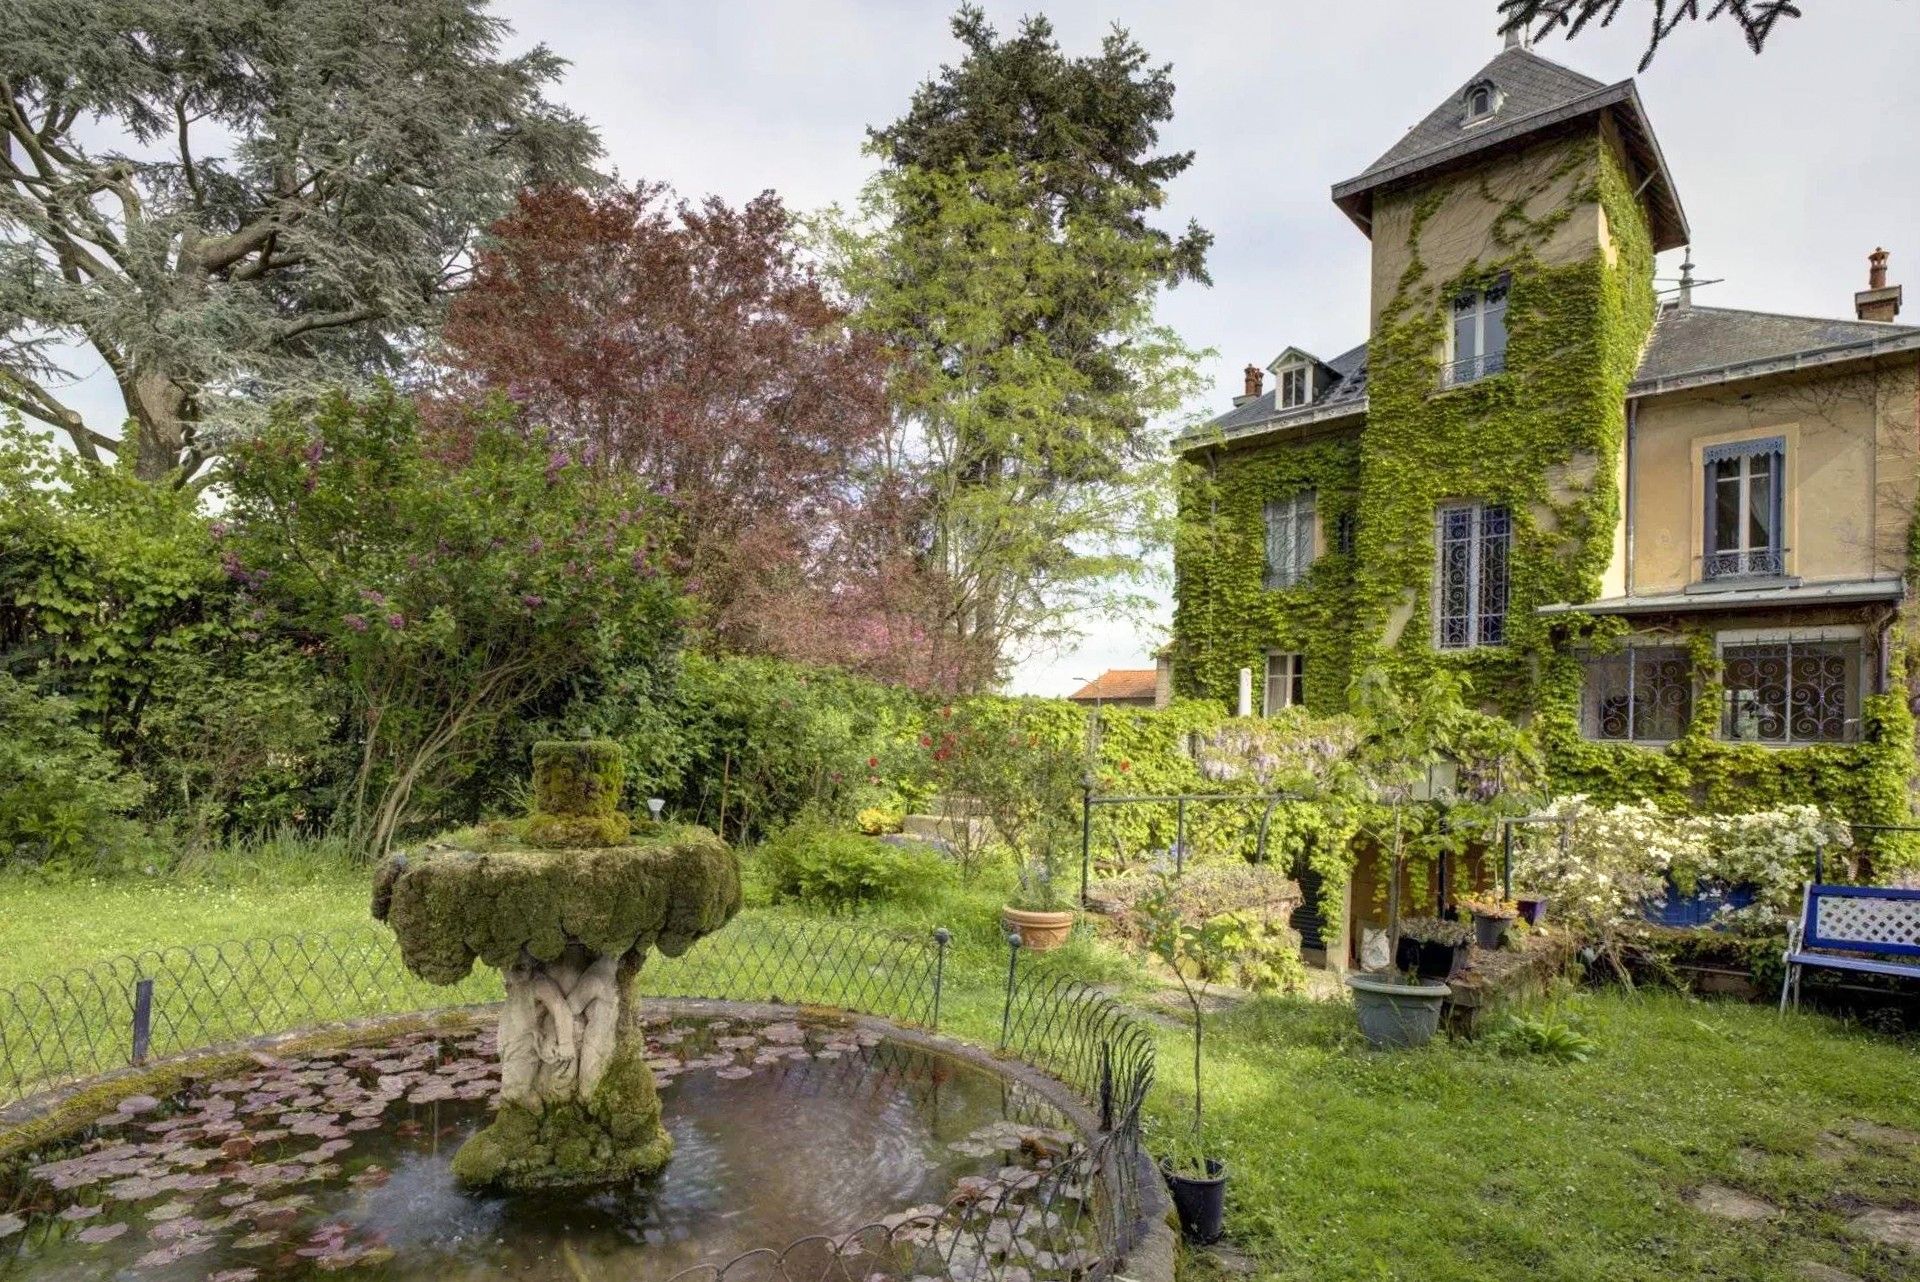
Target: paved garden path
x=1897 y=1227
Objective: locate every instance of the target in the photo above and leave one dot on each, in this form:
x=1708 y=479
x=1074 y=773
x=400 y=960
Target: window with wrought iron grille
x=1470 y=588
x=1744 y=484
x=1478 y=344
x=1290 y=539
x=1286 y=683
x=1346 y=530
x=1296 y=385
x=1640 y=694
x=1791 y=691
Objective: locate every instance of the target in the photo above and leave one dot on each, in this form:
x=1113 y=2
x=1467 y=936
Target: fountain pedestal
x=565 y=904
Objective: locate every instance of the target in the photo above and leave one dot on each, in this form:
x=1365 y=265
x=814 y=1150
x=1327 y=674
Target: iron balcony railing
x=1752 y=563
x=1471 y=369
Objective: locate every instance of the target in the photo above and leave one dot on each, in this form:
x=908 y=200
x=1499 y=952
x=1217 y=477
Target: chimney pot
x=1879 y=301
x=1254 y=379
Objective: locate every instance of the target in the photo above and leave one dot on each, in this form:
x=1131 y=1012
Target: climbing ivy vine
x=1544 y=438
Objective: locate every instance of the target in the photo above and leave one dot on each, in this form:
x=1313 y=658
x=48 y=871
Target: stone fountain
x=565 y=904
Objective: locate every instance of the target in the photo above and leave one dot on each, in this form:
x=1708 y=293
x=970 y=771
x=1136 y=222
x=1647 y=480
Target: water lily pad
x=733 y=1072
x=174 y=1230
x=94 y=1234
x=173 y=1252
x=79 y=1211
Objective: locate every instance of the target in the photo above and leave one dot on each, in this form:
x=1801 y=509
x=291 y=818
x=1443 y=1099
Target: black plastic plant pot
x=1489 y=931
x=1428 y=959
x=1533 y=909
x=1199 y=1200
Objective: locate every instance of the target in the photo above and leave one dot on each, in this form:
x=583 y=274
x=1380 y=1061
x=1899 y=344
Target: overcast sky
x=1792 y=166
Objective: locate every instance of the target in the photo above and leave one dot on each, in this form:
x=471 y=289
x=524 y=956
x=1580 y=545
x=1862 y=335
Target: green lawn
x=1449 y=1163
x=50 y=926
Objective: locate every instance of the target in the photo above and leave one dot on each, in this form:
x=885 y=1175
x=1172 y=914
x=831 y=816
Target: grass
x=1453 y=1162
x=47 y=927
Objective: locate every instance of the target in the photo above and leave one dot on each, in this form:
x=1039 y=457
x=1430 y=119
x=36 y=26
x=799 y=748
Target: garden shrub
x=237 y=742
x=63 y=796
x=1240 y=910
x=103 y=575
x=761 y=741
x=811 y=862
x=446 y=578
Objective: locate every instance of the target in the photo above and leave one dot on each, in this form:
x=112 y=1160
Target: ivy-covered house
x=1673 y=539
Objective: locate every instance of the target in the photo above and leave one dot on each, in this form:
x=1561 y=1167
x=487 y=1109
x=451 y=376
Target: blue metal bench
x=1839 y=923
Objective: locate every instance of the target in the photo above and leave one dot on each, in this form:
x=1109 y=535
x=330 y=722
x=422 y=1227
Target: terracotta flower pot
x=1038 y=931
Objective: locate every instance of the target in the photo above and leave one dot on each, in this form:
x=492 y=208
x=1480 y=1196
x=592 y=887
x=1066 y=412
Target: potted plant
x=1038 y=912
x=1433 y=947
x=1397 y=1012
x=1026 y=781
x=1533 y=909
x=1491 y=919
x=1196 y=1178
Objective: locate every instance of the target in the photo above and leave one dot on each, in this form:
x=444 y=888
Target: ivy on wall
x=1545 y=438
x=1225 y=614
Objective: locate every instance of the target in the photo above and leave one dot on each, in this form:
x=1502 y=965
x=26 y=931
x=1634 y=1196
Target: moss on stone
x=613 y=1135
x=482 y=894
x=574 y=832
x=577 y=777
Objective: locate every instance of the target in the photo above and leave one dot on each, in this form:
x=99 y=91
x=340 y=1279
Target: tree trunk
x=157 y=409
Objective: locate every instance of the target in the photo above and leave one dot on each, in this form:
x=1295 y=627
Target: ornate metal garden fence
x=1078 y=1217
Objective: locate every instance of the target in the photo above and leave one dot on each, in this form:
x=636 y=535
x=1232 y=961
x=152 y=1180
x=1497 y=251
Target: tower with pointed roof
x=1672 y=540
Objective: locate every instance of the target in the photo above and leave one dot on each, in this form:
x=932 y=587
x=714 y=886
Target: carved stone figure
x=565 y=904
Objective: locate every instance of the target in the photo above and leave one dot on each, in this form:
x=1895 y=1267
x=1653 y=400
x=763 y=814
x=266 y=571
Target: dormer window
x=1296 y=385
x=1482 y=100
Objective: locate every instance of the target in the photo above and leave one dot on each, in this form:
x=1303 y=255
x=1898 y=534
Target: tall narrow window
x=1290 y=539
x=1643 y=694
x=1479 y=336
x=1470 y=591
x=1346 y=530
x=1296 y=385
x=1286 y=683
x=1743 y=518
x=1791 y=691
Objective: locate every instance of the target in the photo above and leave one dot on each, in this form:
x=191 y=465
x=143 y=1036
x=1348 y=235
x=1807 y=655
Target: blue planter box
x=1697 y=909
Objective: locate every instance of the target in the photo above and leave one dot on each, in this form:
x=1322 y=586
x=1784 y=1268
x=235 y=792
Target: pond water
x=338 y=1163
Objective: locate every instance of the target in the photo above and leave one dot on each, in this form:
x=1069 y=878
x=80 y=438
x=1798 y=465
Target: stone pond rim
x=565 y=903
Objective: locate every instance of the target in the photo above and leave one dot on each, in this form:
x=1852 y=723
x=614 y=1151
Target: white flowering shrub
x=1603 y=865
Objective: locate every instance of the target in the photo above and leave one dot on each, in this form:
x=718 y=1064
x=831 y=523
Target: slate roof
x=1118 y=683
x=1688 y=346
x=1693 y=340
x=1536 y=94
x=1347 y=393
x=1528 y=84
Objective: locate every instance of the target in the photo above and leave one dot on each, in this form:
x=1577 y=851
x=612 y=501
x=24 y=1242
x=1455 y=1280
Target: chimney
x=1518 y=37
x=1686 y=280
x=1879 y=301
x=1254 y=379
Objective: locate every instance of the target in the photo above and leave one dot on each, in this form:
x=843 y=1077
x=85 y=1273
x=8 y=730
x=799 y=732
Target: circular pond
x=337 y=1161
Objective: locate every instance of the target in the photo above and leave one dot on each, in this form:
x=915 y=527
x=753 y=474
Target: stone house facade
x=1675 y=539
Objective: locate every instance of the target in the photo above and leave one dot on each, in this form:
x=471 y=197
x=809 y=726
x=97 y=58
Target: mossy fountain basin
x=339 y=1159
x=565 y=903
